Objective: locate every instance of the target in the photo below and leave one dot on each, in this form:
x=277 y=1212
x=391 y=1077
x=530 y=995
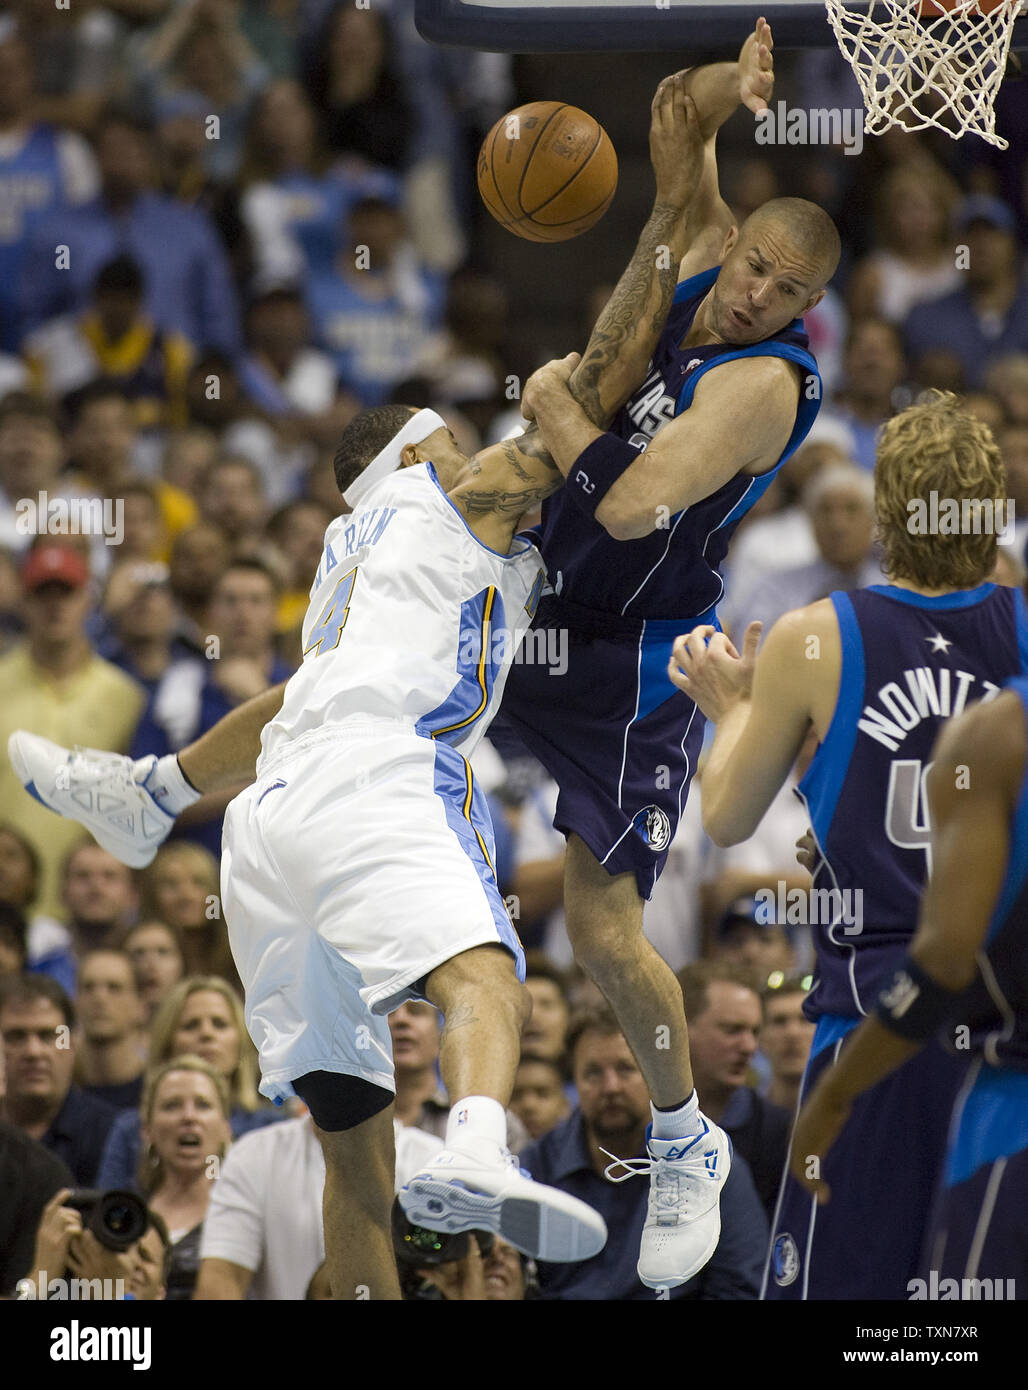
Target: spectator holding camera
x=490 y=1272
x=68 y=1245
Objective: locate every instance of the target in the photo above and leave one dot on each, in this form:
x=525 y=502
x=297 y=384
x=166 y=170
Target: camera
x=117 y=1219
x=416 y=1247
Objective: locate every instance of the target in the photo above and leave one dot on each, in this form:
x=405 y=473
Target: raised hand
x=757 y=68
x=676 y=142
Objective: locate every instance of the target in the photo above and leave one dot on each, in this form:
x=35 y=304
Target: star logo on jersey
x=939 y=643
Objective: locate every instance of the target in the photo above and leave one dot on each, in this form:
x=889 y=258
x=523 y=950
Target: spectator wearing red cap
x=54 y=684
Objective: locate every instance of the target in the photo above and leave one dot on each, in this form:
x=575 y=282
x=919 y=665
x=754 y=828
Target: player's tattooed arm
x=626 y=332
x=689 y=220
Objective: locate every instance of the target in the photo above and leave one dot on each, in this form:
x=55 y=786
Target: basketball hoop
x=927 y=64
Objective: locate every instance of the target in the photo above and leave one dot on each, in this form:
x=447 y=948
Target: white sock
x=677 y=1124
x=476 y=1117
x=168 y=786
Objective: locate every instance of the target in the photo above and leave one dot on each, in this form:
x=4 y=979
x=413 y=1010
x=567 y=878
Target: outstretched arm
x=688 y=108
x=686 y=230
x=226 y=755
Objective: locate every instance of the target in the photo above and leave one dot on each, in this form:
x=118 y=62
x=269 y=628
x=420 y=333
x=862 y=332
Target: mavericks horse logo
x=653 y=826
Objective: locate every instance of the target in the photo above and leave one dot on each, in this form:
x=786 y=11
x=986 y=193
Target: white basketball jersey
x=411 y=618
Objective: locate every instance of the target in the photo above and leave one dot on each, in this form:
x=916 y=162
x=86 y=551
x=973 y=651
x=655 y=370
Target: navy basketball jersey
x=908 y=664
x=996 y=1005
x=673 y=572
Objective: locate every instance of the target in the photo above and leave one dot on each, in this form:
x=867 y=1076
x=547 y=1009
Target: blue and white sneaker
x=106 y=792
x=683 y=1217
x=481 y=1188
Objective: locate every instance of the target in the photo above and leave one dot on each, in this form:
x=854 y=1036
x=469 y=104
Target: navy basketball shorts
x=617 y=737
x=883 y=1170
x=979 y=1226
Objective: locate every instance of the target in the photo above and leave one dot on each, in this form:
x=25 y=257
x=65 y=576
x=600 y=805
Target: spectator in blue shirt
x=242 y=662
x=296 y=202
x=42 y=170
x=612 y=1115
x=188 y=285
x=375 y=309
x=988 y=317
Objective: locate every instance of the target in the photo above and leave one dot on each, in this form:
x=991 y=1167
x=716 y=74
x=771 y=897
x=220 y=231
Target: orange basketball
x=547 y=171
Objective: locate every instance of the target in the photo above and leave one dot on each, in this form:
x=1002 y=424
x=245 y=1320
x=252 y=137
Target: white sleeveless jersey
x=412 y=618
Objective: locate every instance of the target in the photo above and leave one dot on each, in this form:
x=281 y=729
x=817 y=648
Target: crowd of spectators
x=225 y=227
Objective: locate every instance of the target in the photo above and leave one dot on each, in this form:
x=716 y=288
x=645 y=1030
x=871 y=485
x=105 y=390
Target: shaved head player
x=709 y=318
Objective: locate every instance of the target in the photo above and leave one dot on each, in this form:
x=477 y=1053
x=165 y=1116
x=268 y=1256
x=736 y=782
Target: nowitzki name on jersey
x=921 y=692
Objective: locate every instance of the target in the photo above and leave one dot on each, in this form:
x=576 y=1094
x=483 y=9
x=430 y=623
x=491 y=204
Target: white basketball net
x=919 y=71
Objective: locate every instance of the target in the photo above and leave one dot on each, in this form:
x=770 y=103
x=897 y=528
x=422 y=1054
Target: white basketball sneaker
x=105 y=792
x=481 y=1188
x=683 y=1218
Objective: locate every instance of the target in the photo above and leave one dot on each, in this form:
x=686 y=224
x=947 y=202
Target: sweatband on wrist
x=597 y=469
x=171 y=788
x=913 y=1005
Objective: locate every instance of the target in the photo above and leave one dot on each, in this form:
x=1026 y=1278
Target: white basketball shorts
x=357 y=862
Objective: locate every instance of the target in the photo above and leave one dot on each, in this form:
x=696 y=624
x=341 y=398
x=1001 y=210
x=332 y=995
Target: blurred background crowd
x=225 y=227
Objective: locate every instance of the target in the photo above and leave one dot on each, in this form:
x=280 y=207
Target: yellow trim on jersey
x=487 y=613
x=466 y=809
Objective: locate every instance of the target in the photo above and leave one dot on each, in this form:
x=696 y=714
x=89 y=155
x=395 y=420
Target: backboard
x=640 y=26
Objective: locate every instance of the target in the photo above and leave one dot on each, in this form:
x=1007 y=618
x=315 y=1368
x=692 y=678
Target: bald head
x=806 y=228
x=774 y=270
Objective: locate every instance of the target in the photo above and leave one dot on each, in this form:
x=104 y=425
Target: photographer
x=105 y=1262
x=472 y=1267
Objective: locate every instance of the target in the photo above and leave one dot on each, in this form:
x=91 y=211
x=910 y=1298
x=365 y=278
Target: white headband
x=417 y=429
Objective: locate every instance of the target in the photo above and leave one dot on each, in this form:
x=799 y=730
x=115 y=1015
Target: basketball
x=547 y=171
